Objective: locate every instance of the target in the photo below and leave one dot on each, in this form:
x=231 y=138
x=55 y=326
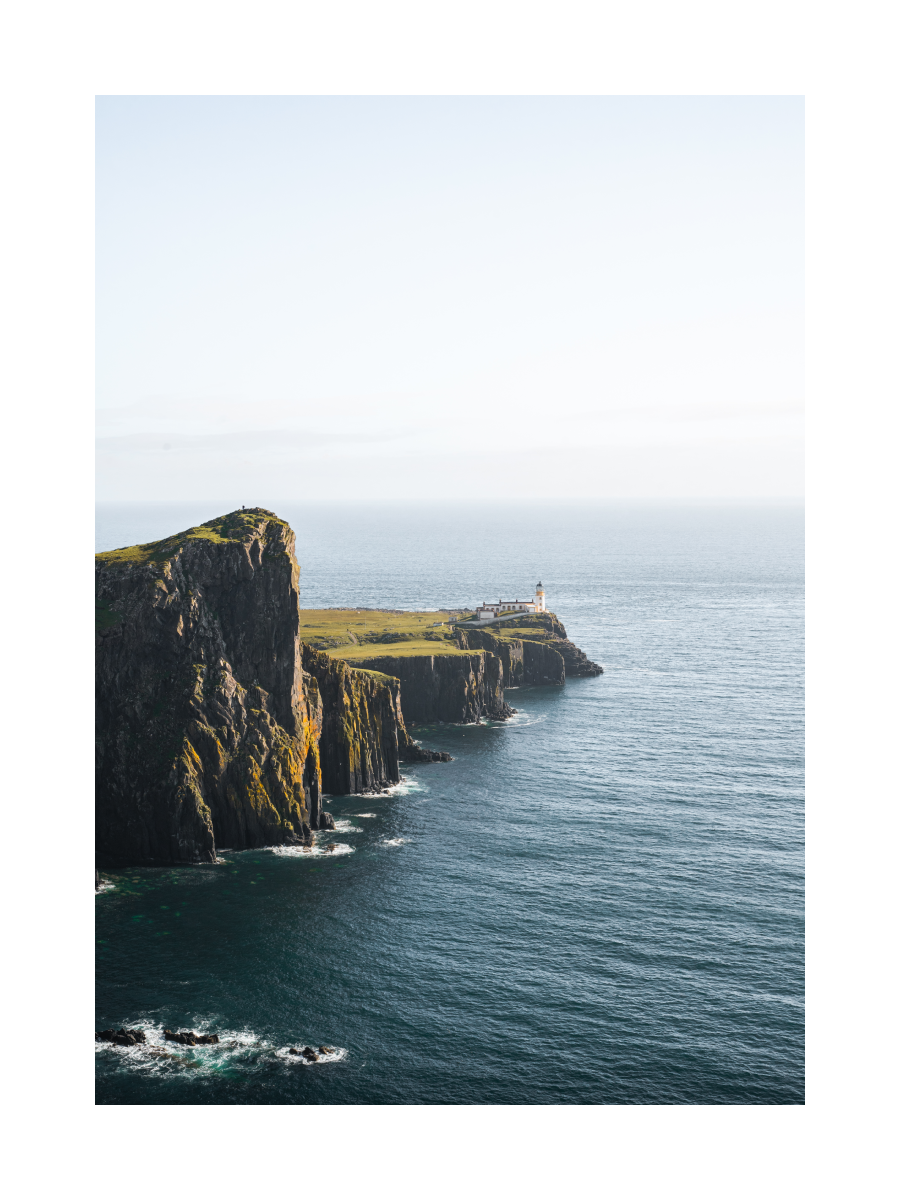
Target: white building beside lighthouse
x=505 y=607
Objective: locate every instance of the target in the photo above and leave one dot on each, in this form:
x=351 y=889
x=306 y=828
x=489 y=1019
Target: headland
x=225 y=712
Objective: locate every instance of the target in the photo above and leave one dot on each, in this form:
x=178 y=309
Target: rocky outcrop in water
x=214 y=722
x=188 y=1038
x=121 y=1037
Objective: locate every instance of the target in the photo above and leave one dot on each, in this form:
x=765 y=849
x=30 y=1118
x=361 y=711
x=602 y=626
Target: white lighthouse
x=506 y=608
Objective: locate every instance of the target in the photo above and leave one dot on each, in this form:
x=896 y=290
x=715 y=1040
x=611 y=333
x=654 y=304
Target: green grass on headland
x=359 y=633
x=414 y=648
x=233 y=527
x=355 y=633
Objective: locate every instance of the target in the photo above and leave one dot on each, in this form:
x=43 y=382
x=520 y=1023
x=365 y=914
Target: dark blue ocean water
x=600 y=902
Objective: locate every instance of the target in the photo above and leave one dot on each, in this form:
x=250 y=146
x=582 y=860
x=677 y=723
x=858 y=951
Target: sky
x=449 y=298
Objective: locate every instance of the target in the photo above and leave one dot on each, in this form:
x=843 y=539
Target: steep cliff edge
x=534 y=648
x=524 y=661
x=209 y=729
x=363 y=737
x=445 y=687
x=450 y=670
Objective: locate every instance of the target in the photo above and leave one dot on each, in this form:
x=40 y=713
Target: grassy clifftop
x=360 y=633
x=235 y=527
x=356 y=634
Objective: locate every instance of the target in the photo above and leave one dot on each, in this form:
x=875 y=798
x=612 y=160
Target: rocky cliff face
x=447 y=687
x=524 y=661
x=363 y=736
x=578 y=665
x=213 y=726
x=508 y=650
x=547 y=657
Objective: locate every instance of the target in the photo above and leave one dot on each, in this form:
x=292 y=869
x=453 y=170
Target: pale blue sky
x=441 y=296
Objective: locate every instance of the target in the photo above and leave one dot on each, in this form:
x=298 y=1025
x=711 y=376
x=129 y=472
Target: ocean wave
x=393 y=841
x=406 y=787
x=521 y=720
x=105 y=886
x=311 y=851
x=347 y=826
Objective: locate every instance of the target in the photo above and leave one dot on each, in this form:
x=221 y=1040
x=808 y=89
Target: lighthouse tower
x=539 y=598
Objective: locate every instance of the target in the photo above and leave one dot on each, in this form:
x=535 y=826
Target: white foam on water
x=393 y=841
x=105 y=887
x=235 y=1048
x=156 y=1055
x=347 y=826
x=362 y=815
x=406 y=787
x=310 y=851
x=520 y=720
x=337 y=1054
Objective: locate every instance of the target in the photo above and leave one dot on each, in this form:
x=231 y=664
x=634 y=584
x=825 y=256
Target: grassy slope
x=353 y=634
x=233 y=527
x=414 y=648
x=357 y=633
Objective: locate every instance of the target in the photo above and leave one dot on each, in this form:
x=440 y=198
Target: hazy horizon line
x=468 y=502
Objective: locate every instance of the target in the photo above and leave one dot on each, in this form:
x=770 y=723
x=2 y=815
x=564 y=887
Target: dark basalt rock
x=330 y=849
x=578 y=665
x=456 y=688
x=413 y=752
x=547 y=657
x=326 y=820
x=363 y=734
x=188 y=1038
x=122 y=1037
x=308 y=1053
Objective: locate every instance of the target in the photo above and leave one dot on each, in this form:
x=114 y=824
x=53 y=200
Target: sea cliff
x=456 y=688
x=460 y=675
x=215 y=725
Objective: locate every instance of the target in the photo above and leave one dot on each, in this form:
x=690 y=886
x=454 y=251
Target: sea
x=599 y=901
